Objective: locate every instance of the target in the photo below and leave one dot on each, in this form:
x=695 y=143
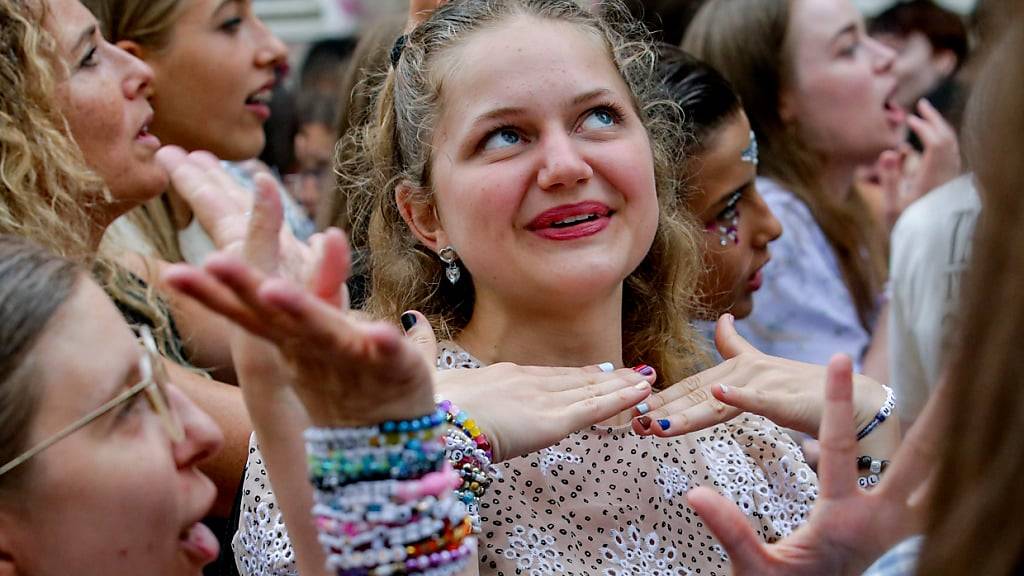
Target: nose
x=563 y=166
x=202 y=436
x=270 y=51
x=138 y=76
x=768 y=227
x=884 y=56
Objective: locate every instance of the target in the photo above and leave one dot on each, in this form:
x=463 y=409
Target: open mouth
x=894 y=112
x=199 y=543
x=262 y=97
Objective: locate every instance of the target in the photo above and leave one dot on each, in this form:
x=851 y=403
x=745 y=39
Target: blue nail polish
x=664 y=424
x=606 y=367
x=643 y=408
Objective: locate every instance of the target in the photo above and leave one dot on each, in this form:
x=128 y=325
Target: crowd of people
x=512 y=287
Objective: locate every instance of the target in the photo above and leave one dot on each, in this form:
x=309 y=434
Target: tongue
x=200 y=545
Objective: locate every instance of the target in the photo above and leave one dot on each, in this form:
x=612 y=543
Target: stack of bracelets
x=385 y=501
x=470 y=453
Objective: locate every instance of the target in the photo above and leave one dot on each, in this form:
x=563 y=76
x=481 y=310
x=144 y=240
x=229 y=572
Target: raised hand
x=523 y=409
x=905 y=176
x=345 y=371
x=223 y=208
x=787 y=392
x=849 y=527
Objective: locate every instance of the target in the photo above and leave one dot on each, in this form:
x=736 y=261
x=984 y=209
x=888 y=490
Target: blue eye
x=599 y=118
x=502 y=138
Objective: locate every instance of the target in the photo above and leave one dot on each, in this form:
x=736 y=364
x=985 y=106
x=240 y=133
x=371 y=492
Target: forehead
x=67 y=20
x=819 y=21
x=83 y=356
x=527 y=61
x=720 y=168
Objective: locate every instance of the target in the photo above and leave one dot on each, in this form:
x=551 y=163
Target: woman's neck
x=838 y=177
x=580 y=334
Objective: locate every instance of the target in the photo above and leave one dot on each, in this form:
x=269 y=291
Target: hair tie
x=396 y=50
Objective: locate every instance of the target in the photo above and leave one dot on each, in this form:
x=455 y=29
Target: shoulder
x=932 y=212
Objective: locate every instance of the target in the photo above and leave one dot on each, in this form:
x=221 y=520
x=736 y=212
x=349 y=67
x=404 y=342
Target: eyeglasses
x=153 y=383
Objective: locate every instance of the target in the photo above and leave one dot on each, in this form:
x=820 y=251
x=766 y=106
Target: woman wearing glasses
x=99 y=453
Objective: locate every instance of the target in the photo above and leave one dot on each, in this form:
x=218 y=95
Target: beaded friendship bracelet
x=456 y=417
x=883 y=413
x=385 y=501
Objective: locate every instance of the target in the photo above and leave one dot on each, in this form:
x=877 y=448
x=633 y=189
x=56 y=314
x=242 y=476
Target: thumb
x=261 y=240
x=731 y=528
x=728 y=341
x=418 y=329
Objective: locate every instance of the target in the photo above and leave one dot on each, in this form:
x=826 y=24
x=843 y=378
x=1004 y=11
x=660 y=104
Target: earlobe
x=133 y=48
x=945 y=62
x=420 y=216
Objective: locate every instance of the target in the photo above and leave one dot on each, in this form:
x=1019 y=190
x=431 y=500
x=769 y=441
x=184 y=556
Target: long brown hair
x=34 y=284
x=397 y=146
x=748 y=41
x=975 y=525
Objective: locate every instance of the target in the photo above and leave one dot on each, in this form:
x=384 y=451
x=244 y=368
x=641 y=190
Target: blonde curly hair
x=46 y=187
x=397 y=146
x=48 y=193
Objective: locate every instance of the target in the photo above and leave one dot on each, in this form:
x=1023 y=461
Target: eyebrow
x=850 y=28
x=84 y=38
x=225 y=3
x=507 y=111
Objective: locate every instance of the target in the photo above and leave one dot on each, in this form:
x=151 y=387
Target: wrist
x=327 y=411
x=868 y=397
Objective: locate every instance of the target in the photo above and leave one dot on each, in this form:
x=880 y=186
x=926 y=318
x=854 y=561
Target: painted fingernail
x=724 y=388
x=643 y=369
x=730 y=318
x=641 y=385
x=643 y=408
x=606 y=367
x=644 y=421
x=664 y=424
x=408 y=321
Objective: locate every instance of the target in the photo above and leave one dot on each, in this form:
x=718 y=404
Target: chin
x=742 y=308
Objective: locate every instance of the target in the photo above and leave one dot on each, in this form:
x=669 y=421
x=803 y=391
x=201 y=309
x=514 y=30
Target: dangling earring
x=449 y=257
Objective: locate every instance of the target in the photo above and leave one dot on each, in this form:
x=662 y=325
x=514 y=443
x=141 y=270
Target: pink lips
x=571 y=221
x=144 y=137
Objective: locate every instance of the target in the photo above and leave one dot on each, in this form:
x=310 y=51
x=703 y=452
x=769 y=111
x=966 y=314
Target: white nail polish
x=606 y=367
x=643 y=408
x=725 y=389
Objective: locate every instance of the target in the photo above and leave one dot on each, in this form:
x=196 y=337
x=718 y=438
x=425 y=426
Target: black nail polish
x=408 y=321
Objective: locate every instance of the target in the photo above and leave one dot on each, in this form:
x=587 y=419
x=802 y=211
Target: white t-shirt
x=931 y=247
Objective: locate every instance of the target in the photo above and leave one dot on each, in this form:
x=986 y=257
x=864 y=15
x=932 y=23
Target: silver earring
x=449 y=257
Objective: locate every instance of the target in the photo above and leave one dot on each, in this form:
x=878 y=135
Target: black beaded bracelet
x=872 y=465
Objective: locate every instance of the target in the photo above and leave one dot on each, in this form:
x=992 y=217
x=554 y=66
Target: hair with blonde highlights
x=397 y=146
x=748 y=41
x=46 y=187
x=48 y=193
